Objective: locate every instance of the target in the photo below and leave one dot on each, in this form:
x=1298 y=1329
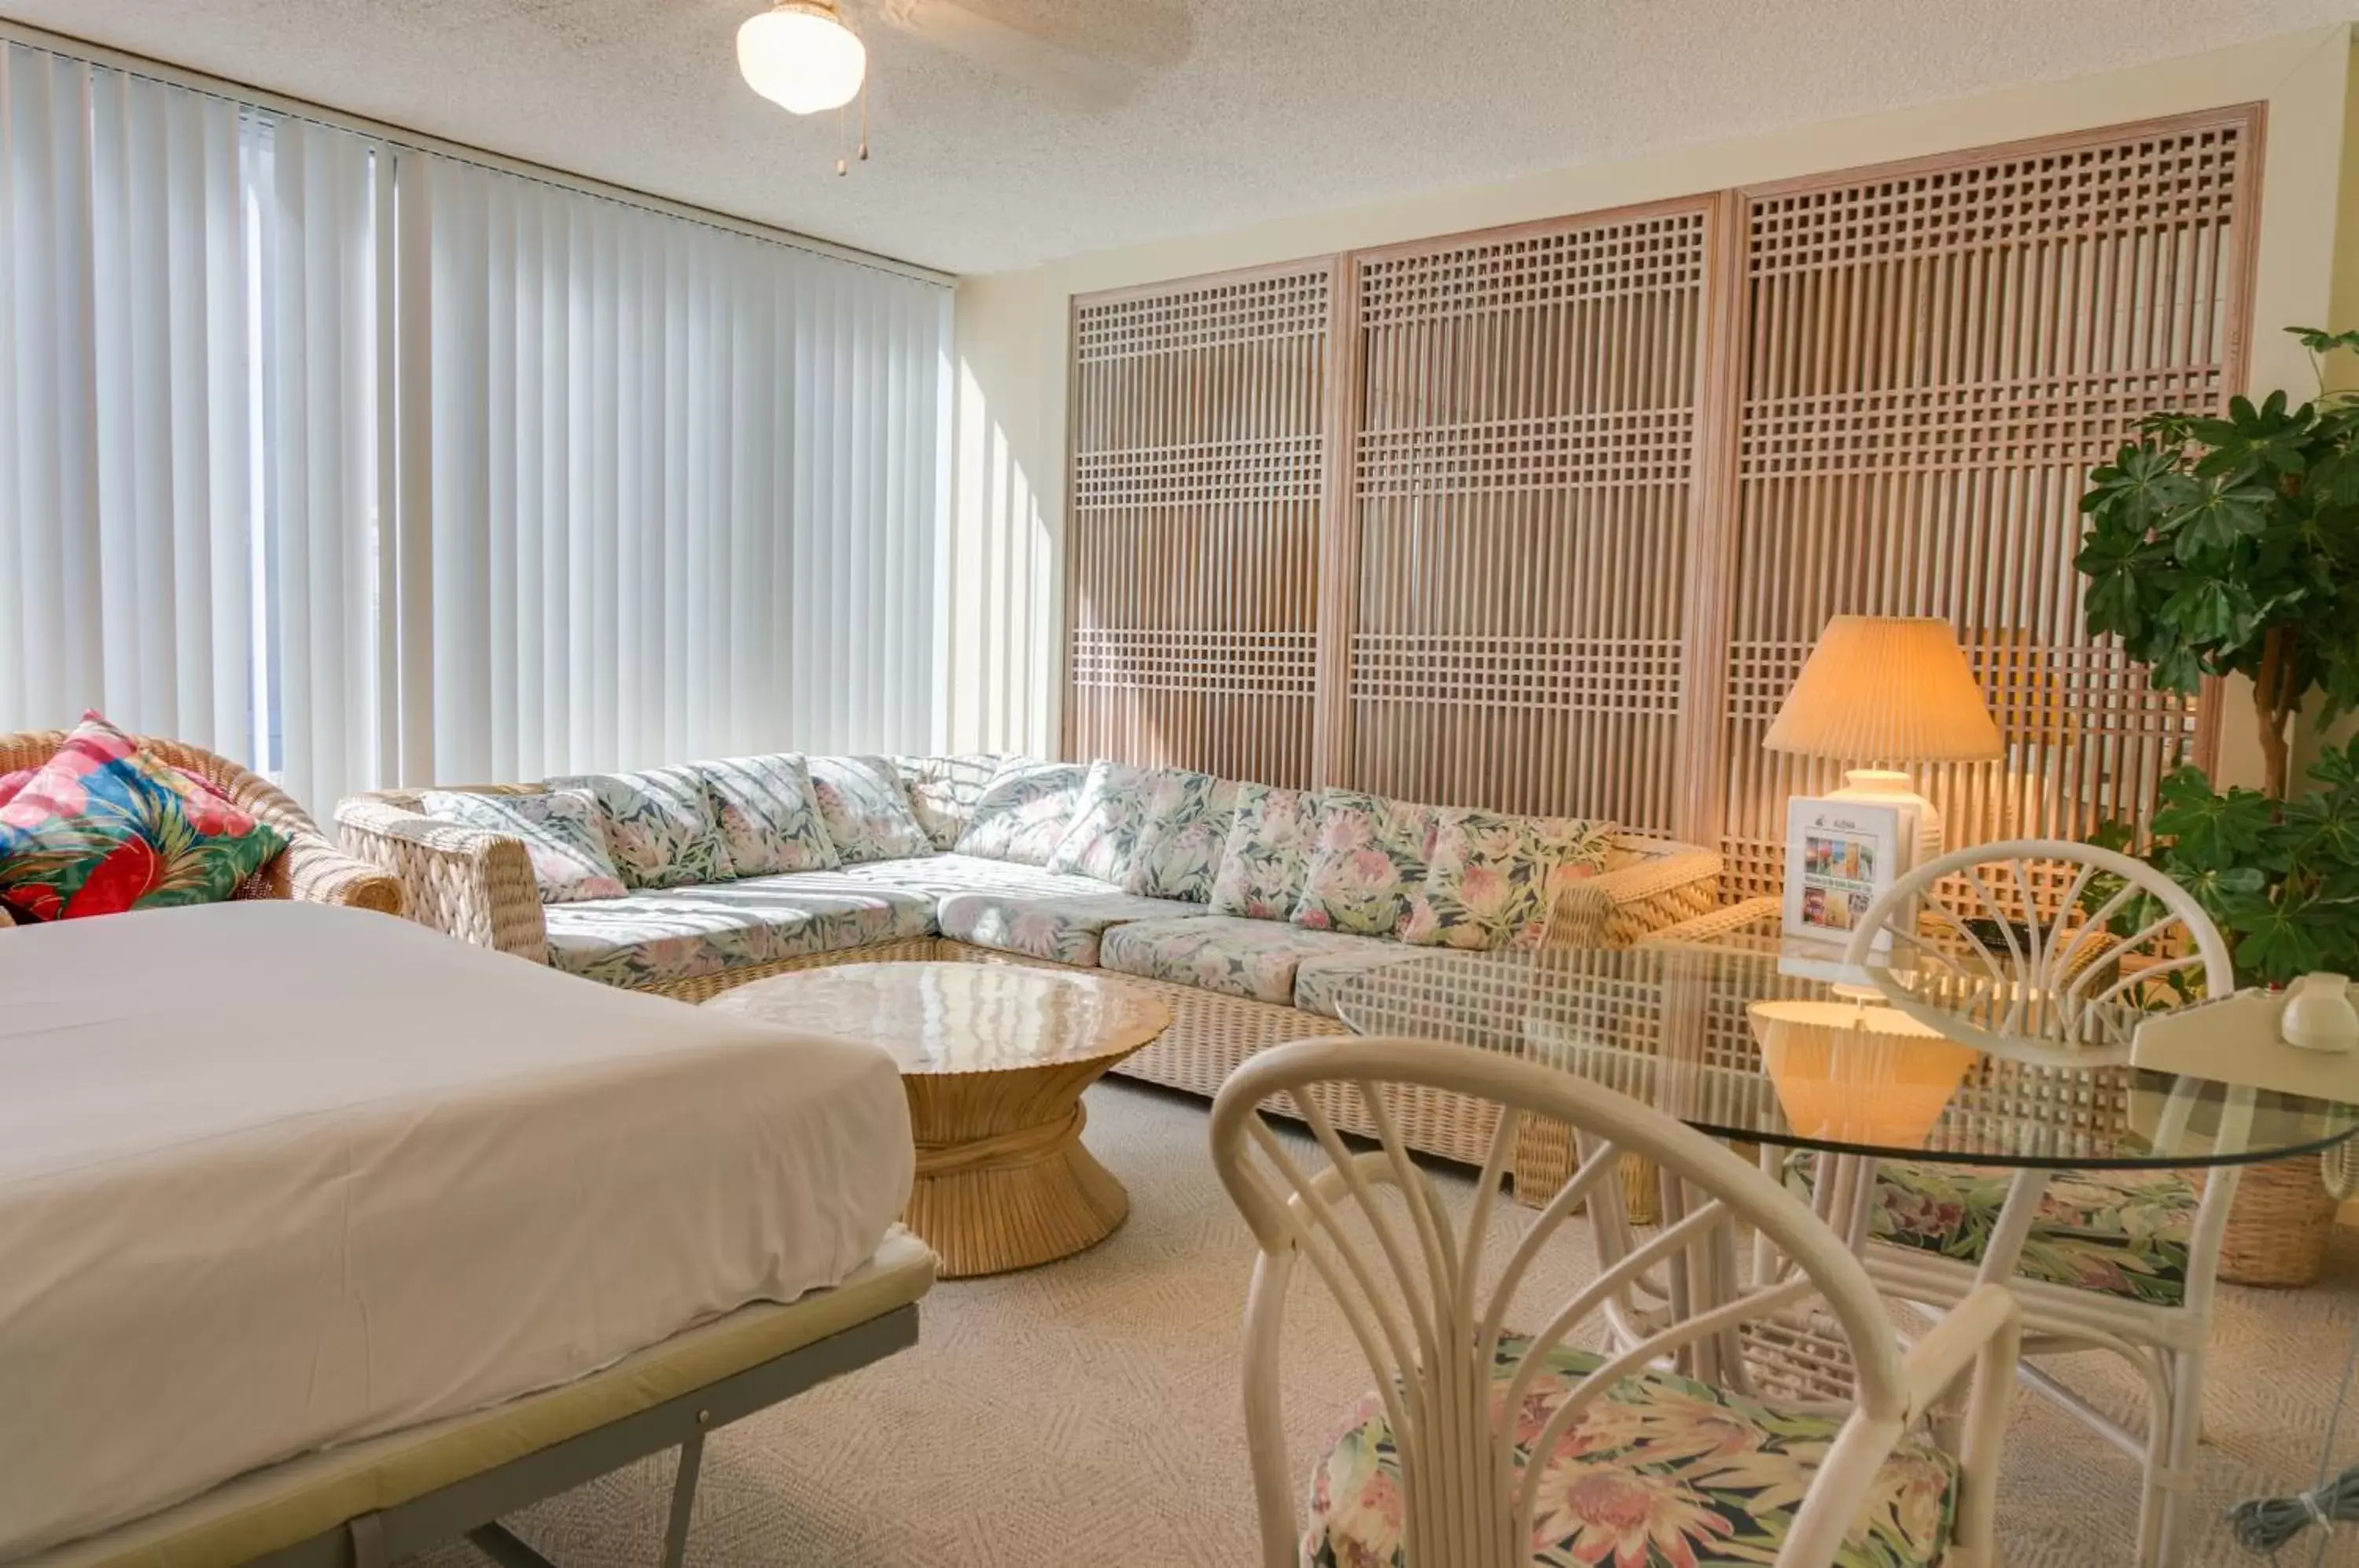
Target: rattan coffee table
x=994 y=1057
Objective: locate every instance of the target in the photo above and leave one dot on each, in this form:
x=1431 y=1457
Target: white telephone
x=2301 y=1040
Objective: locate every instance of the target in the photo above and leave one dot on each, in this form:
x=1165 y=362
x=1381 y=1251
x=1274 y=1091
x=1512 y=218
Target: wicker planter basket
x=2279 y=1226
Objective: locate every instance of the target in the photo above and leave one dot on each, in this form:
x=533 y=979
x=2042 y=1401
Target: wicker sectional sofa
x=899 y=894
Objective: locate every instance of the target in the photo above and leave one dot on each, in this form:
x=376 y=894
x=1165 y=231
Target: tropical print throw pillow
x=769 y=815
x=106 y=826
x=1271 y=834
x=1183 y=826
x=660 y=826
x=942 y=790
x=1369 y=857
x=866 y=813
x=561 y=831
x=1492 y=880
x=1107 y=820
x=1025 y=813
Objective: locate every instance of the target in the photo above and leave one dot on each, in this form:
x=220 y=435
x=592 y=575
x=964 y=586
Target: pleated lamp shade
x=1886 y=689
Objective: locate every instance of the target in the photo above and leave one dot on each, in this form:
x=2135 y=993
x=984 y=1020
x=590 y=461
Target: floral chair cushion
x=106 y=825
x=1107 y=816
x=562 y=833
x=1062 y=928
x=1369 y=857
x=1025 y=813
x=865 y=814
x=1270 y=838
x=1660 y=1471
x=769 y=815
x=942 y=790
x=2121 y=1232
x=661 y=825
x=1182 y=835
x=1238 y=957
x=661 y=937
x=1492 y=880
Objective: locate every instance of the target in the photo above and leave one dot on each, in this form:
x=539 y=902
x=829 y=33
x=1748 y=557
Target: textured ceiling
x=1277 y=106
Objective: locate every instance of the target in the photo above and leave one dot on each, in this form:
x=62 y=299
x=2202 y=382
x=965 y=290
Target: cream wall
x=1004 y=624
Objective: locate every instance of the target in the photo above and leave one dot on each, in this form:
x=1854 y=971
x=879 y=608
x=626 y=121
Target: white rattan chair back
x=1427 y=1309
x=2034 y=947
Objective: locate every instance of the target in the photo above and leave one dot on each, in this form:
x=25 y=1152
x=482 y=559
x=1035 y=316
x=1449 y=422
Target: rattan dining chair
x=1484 y=1444
x=2042 y=951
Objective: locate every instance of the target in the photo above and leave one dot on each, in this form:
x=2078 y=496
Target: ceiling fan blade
x=1091 y=62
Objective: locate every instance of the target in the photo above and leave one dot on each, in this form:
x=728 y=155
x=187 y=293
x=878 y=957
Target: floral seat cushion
x=1320 y=979
x=660 y=936
x=1061 y=928
x=2123 y=1233
x=941 y=875
x=1235 y=956
x=1661 y=1470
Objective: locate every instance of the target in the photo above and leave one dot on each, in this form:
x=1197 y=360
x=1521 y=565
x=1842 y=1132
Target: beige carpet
x=1086 y=1413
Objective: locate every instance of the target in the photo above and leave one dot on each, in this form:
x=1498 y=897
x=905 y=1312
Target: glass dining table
x=1755 y=1049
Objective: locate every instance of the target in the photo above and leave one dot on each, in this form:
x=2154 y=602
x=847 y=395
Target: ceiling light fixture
x=800 y=56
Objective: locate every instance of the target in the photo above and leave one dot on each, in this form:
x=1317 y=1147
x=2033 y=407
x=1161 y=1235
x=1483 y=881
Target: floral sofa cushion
x=1271 y=834
x=2121 y=1233
x=866 y=816
x=662 y=937
x=1182 y=833
x=1369 y=857
x=561 y=830
x=661 y=825
x=1025 y=813
x=1660 y=1470
x=1492 y=880
x=1320 y=979
x=1239 y=957
x=942 y=790
x=768 y=813
x=1107 y=816
x=1061 y=928
x=941 y=876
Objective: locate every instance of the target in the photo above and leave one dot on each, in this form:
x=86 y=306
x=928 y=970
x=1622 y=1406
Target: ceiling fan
x=805 y=57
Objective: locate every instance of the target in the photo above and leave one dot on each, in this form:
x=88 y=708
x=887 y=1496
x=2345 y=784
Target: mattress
x=276 y=1176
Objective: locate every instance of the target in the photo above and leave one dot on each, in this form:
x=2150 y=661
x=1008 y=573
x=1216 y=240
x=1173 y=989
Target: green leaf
x=2211 y=832
x=2220 y=511
x=2211 y=614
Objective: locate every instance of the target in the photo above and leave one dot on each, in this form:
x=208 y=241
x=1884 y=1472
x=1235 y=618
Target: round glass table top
x=960 y=1017
x=1742 y=1045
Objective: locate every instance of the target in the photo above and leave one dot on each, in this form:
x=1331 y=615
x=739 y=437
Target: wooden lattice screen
x=1518 y=510
x=1547 y=519
x=1199 y=461
x=1935 y=355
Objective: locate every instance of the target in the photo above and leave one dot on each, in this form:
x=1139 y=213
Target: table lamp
x=1887 y=690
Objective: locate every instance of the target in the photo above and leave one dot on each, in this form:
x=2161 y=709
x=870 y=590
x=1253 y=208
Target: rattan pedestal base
x=1011 y=1199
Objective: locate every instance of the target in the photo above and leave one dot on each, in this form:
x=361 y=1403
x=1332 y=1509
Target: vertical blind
x=365 y=464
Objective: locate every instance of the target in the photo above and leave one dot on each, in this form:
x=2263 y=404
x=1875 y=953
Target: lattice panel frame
x=1525 y=467
x=1934 y=353
x=1198 y=468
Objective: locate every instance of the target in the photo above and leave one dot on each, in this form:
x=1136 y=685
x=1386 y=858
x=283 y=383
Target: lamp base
x=1888 y=788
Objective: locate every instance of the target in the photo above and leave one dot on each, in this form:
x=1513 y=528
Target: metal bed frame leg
x=505 y=1547
x=683 y=1495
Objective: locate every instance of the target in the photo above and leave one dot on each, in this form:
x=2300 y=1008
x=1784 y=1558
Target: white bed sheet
x=274 y=1176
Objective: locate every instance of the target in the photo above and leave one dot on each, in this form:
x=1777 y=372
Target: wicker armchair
x=311 y=867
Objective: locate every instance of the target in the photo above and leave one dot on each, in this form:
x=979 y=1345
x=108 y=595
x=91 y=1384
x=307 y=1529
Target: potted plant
x=2231 y=546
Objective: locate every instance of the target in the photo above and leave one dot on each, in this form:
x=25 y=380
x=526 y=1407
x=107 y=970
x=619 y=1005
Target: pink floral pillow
x=1492 y=880
x=1368 y=859
x=106 y=825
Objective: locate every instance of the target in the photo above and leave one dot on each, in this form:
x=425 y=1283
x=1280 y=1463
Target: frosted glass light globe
x=799 y=57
